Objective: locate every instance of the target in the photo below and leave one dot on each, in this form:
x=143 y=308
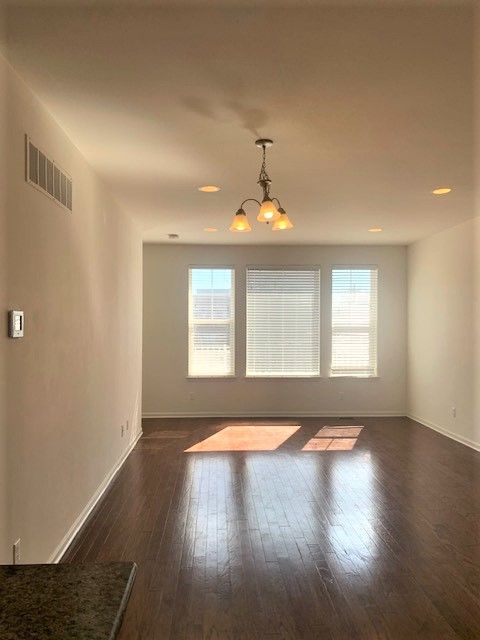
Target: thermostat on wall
x=15 y=324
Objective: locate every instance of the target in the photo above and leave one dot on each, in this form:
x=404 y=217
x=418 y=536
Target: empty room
x=240 y=291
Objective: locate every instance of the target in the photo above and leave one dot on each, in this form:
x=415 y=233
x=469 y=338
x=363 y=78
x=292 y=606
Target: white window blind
x=283 y=322
x=211 y=329
x=354 y=321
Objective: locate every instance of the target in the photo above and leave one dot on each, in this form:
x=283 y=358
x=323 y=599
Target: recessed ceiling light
x=209 y=188
x=441 y=191
x=375 y=229
x=210 y=229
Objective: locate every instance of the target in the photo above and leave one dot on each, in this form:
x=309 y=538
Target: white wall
x=75 y=378
x=442 y=326
x=168 y=391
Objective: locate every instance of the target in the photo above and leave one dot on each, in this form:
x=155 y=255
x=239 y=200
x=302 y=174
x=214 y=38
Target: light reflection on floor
x=246 y=438
x=354 y=535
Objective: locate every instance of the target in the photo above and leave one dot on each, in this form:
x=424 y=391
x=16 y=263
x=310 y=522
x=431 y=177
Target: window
x=283 y=322
x=354 y=321
x=211 y=311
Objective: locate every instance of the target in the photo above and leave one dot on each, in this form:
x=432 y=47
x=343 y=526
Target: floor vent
x=45 y=174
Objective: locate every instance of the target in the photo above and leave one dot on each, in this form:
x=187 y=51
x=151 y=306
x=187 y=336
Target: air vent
x=44 y=174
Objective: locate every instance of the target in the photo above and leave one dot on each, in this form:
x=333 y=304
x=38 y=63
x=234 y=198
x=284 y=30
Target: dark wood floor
x=376 y=541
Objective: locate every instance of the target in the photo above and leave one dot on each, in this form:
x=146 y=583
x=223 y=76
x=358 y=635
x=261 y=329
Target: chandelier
x=270 y=208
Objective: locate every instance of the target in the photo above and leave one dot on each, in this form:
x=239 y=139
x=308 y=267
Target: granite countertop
x=64 y=601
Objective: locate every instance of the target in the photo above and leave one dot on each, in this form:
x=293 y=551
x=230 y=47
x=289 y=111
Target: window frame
x=232 y=322
x=347 y=267
x=285 y=267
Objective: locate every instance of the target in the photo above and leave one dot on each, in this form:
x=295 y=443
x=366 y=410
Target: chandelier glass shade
x=282 y=222
x=240 y=222
x=270 y=209
x=268 y=212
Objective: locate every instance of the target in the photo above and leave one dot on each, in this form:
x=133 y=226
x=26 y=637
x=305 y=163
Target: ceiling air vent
x=45 y=174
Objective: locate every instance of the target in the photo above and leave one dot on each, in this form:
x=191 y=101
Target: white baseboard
x=273 y=414
x=446 y=432
x=80 y=521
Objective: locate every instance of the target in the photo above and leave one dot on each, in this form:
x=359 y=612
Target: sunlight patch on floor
x=334 y=439
x=246 y=438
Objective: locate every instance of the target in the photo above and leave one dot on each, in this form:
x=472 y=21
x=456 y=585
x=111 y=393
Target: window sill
x=352 y=376
x=212 y=377
x=265 y=377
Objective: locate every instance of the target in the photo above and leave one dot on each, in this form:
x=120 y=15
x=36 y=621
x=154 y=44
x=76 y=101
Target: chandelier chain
x=263 y=178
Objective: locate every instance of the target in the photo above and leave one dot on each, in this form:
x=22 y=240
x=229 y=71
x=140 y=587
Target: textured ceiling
x=370 y=107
